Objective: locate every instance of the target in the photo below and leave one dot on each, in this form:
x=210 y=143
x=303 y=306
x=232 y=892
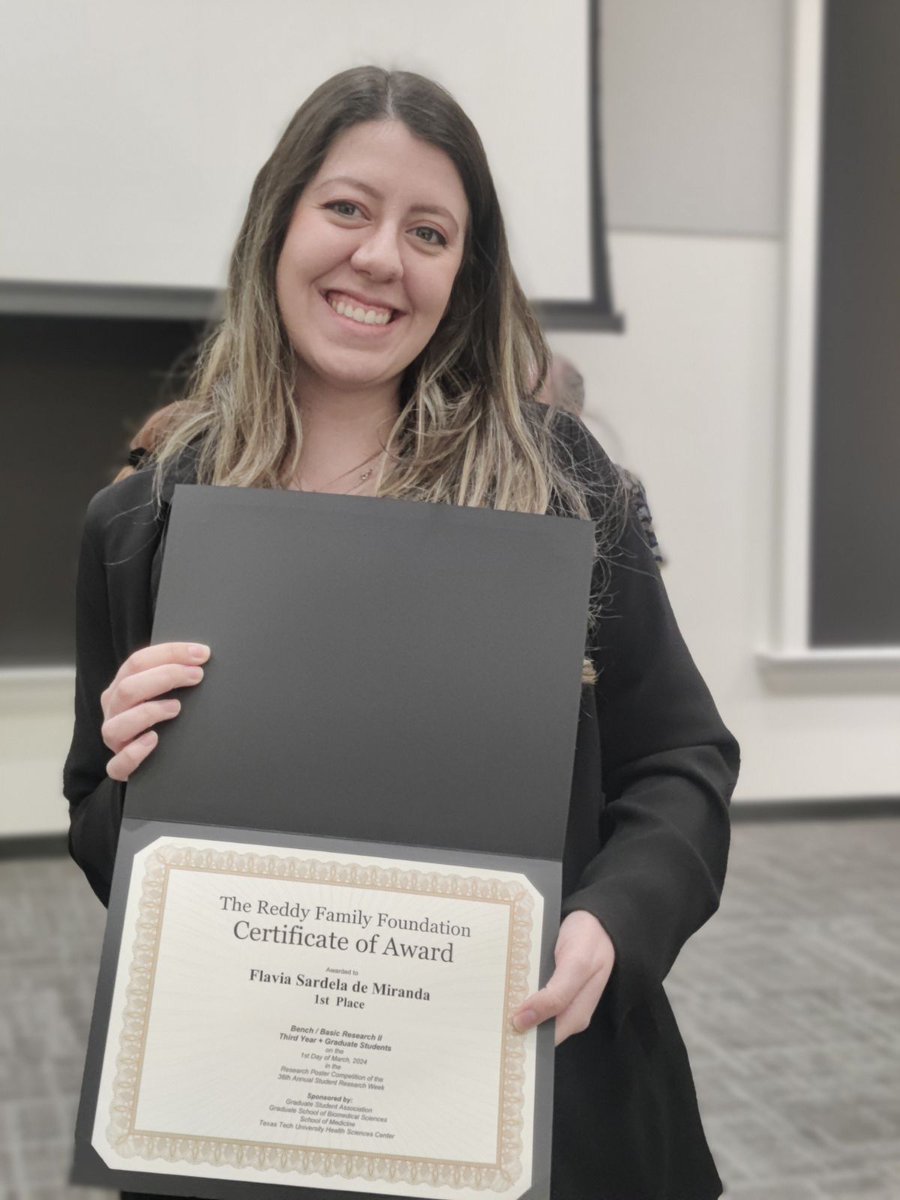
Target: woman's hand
x=131 y=706
x=584 y=960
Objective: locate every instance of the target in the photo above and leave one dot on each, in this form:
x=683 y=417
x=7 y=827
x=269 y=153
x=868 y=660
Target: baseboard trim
x=839 y=809
x=34 y=845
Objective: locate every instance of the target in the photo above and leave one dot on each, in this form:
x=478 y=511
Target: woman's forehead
x=388 y=162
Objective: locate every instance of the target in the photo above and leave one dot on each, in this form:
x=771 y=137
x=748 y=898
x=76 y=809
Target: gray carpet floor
x=789 y=1001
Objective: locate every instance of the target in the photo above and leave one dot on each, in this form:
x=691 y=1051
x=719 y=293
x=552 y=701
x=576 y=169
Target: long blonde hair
x=467 y=432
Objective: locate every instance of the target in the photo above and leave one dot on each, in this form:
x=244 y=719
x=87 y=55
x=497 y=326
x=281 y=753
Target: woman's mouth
x=356 y=310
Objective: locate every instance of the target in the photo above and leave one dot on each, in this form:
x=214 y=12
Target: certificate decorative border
x=223 y=1152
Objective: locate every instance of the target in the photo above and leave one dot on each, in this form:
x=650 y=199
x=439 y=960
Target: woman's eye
x=431 y=236
x=344 y=208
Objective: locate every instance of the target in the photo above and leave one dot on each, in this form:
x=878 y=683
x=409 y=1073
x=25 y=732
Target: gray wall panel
x=856 y=519
x=694 y=114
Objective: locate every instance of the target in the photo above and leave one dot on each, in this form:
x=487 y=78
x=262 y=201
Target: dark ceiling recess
x=73 y=390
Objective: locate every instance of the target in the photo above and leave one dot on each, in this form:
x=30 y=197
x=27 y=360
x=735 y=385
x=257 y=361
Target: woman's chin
x=349 y=379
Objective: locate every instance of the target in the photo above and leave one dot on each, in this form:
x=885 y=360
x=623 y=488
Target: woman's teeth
x=365 y=316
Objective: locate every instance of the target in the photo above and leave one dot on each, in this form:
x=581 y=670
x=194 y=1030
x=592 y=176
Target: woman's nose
x=378 y=254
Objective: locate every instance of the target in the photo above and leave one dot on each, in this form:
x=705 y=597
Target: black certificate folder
x=339 y=872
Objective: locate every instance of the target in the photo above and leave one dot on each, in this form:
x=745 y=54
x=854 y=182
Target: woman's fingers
x=118 y=731
x=584 y=960
x=576 y=1017
x=148 y=685
x=121 y=765
x=181 y=659
x=136 y=700
x=560 y=990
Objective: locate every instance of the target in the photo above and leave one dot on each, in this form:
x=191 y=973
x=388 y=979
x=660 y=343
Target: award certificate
x=318 y=1019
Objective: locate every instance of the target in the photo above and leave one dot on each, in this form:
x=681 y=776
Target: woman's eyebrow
x=357 y=183
x=434 y=209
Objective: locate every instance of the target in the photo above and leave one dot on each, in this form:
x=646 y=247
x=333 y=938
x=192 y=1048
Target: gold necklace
x=365 y=475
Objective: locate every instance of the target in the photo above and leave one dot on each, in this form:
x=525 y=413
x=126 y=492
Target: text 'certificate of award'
x=322 y=1020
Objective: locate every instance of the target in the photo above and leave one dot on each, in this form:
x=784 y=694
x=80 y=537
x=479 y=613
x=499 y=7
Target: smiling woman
x=377 y=200
x=376 y=341
x=366 y=272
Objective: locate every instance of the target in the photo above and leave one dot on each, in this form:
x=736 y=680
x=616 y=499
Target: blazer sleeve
x=669 y=767
x=112 y=618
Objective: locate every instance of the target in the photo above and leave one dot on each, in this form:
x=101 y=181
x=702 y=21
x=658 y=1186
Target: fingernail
x=199 y=652
x=195 y=674
x=148 y=738
x=523 y=1021
x=172 y=706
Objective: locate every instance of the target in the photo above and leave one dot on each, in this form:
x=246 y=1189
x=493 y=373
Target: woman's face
x=370 y=256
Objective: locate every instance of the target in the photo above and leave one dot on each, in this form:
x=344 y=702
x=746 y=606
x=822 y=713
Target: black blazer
x=646 y=845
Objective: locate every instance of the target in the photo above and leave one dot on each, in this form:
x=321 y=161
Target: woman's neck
x=344 y=434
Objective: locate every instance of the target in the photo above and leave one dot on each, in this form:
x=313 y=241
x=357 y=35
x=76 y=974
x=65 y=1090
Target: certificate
x=339 y=873
x=333 y=1020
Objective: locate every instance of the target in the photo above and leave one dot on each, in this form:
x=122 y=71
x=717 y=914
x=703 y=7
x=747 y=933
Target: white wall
x=698 y=421
x=690 y=397
x=35 y=727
